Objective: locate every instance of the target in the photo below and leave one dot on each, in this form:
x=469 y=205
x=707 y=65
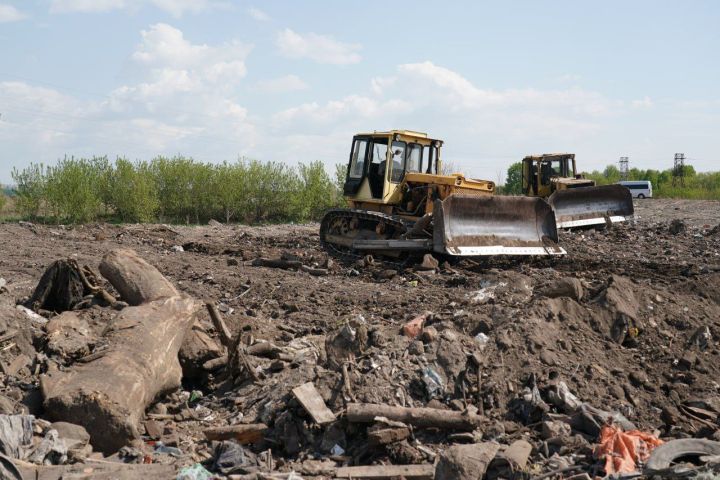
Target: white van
x=639 y=188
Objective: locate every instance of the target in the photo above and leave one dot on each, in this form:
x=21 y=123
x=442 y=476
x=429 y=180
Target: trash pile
x=247 y=353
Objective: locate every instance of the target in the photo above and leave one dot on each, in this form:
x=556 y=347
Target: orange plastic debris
x=623 y=450
x=414 y=327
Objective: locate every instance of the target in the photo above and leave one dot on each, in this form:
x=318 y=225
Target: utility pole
x=624 y=168
x=678 y=173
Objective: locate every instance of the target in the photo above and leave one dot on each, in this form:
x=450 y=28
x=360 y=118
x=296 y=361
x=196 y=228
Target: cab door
x=357 y=165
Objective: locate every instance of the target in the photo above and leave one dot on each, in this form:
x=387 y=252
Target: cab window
x=414 y=158
x=379 y=152
x=398 y=161
x=357 y=161
x=553 y=168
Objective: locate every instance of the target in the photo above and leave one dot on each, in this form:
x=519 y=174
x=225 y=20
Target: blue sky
x=292 y=81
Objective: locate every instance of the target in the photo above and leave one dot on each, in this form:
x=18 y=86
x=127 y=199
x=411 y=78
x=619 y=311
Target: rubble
x=288 y=374
x=465 y=462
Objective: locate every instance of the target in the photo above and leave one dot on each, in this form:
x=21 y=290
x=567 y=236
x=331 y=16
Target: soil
x=628 y=320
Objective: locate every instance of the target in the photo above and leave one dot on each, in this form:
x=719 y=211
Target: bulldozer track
x=375 y=217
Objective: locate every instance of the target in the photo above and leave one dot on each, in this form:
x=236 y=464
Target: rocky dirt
x=626 y=323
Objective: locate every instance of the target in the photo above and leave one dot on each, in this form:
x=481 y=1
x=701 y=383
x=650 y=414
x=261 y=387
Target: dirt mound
x=546 y=350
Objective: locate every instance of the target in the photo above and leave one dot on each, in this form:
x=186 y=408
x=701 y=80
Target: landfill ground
x=627 y=322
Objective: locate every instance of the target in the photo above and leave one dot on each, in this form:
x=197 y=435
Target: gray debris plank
x=313 y=403
x=423 y=471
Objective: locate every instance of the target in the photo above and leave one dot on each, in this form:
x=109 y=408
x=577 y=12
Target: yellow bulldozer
x=576 y=201
x=400 y=203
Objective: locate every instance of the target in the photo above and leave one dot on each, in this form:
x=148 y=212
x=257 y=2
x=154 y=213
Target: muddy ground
x=628 y=320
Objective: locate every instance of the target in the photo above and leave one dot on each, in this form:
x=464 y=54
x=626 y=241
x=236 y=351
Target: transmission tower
x=624 y=168
x=678 y=173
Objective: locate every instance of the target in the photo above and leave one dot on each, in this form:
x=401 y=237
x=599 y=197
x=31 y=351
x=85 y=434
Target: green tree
x=229 y=185
x=611 y=174
x=513 y=181
x=72 y=189
x=341 y=170
x=173 y=180
x=132 y=191
x=30 y=191
x=316 y=192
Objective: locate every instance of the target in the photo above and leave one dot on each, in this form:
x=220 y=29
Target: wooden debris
x=215 y=363
x=223 y=332
x=136 y=280
x=423 y=471
x=108 y=396
x=263 y=349
x=19 y=362
x=313 y=403
x=347 y=385
x=239 y=363
x=276 y=263
x=315 y=272
x=60 y=288
x=243 y=434
x=97 y=470
x=9 y=335
x=386 y=436
x=419 y=417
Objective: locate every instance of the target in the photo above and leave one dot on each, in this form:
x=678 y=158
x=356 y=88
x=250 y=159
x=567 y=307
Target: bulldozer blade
x=467 y=225
x=584 y=206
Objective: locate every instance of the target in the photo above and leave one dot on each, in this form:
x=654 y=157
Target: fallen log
x=276 y=263
x=244 y=433
x=419 y=417
x=135 y=279
x=109 y=395
x=138 y=282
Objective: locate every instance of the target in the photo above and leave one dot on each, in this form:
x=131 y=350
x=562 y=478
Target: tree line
x=174 y=190
x=697 y=185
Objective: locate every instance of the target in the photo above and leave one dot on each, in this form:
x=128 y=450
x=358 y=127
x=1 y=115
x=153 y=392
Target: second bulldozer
x=400 y=202
x=577 y=201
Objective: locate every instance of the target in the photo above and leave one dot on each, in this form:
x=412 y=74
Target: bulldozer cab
x=539 y=171
x=379 y=162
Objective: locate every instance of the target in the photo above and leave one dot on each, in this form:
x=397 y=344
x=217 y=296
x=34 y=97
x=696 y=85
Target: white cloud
x=288 y=83
x=486 y=128
x=185 y=101
x=164 y=47
x=174 y=7
x=258 y=14
x=380 y=84
x=645 y=102
x=350 y=107
x=569 y=78
x=320 y=48
x=430 y=81
x=8 y=14
x=37 y=116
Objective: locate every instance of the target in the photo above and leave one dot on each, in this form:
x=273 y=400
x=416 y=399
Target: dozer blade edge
x=468 y=225
x=585 y=206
